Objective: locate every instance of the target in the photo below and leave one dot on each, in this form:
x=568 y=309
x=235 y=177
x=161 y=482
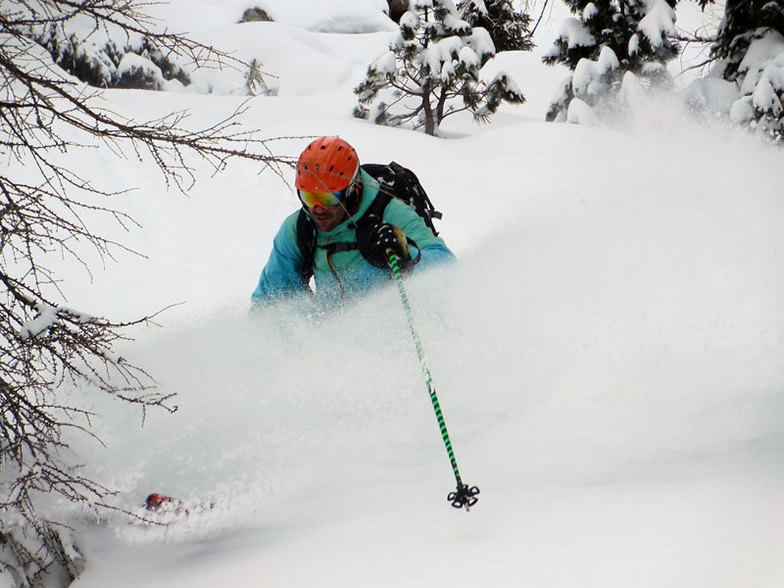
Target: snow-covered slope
x=608 y=356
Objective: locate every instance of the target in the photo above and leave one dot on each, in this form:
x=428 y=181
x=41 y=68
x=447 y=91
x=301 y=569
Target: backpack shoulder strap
x=307 y=235
x=375 y=212
x=306 y=241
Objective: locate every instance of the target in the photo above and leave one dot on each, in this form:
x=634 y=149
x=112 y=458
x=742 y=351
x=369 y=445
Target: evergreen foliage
x=111 y=57
x=508 y=28
x=605 y=42
x=103 y=65
x=432 y=70
x=750 y=52
x=744 y=21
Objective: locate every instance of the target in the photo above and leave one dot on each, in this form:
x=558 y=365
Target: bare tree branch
x=48 y=206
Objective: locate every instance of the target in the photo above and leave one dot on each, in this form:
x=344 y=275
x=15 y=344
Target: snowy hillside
x=607 y=352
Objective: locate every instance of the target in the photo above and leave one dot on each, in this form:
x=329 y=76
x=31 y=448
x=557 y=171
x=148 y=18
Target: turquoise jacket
x=352 y=275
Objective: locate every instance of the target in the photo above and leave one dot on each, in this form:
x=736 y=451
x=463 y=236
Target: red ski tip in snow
x=155 y=501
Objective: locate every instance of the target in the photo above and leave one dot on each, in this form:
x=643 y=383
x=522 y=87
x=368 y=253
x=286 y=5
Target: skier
x=347 y=241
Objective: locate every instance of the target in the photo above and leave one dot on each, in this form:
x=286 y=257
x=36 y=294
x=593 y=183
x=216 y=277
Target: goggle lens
x=325 y=199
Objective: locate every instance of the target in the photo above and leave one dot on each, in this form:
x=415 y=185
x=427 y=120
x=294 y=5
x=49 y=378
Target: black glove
x=376 y=243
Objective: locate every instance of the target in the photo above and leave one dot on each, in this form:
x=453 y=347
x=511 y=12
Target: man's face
x=325 y=218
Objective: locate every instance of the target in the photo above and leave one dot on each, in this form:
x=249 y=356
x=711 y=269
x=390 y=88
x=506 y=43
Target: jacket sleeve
x=434 y=249
x=281 y=276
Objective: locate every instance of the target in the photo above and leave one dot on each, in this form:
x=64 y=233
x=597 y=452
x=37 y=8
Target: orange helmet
x=328 y=164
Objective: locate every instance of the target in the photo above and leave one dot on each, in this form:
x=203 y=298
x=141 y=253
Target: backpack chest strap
x=331 y=248
x=307 y=235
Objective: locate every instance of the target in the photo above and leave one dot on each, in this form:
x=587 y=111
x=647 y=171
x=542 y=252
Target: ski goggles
x=325 y=199
x=328 y=199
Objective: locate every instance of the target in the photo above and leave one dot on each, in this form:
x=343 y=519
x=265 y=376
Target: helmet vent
x=326 y=165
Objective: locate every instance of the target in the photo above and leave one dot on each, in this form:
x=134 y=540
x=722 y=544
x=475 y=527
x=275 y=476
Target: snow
x=764 y=96
x=480 y=7
x=452 y=21
x=386 y=64
x=634 y=44
x=742 y=110
x=342 y=16
x=764 y=68
x=482 y=43
x=607 y=352
x=442 y=56
x=410 y=19
x=632 y=91
x=132 y=64
x=576 y=34
x=295 y=61
x=47 y=316
x=509 y=85
x=581 y=113
x=589 y=11
x=713 y=95
x=659 y=20
x=761 y=51
x=587 y=79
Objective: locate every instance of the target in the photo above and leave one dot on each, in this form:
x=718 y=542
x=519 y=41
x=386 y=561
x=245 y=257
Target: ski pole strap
x=463 y=496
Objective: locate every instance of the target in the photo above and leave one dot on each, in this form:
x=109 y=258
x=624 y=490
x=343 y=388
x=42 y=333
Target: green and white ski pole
x=464 y=496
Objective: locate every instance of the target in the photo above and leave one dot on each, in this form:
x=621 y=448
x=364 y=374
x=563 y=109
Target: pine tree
x=113 y=57
x=432 y=70
x=139 y=63
x=611 y=45
x=750 y=52
x=508 y=28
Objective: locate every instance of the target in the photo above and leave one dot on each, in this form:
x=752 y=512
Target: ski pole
x=463 y=496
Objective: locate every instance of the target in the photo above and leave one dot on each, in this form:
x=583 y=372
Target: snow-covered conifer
x=605 y=41
x=101 y=62
x=119 y=54
x=508 y=28
x=432 y=70
x=750 y=52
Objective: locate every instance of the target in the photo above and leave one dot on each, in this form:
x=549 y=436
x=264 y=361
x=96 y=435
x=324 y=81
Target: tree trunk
x=427 y=107
x=441 y=105
x=397 y=8
x=756 y=12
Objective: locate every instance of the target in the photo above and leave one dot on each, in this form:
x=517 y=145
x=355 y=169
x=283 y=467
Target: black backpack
x=395 y=181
